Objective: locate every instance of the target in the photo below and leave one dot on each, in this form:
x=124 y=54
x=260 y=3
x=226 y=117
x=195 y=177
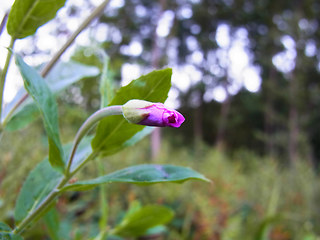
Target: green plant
x=115 y=131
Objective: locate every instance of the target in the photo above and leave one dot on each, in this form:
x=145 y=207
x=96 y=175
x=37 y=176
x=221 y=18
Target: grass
x=250 y=197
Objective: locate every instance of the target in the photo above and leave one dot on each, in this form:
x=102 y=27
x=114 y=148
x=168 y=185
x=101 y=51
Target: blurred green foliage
x=250 y=197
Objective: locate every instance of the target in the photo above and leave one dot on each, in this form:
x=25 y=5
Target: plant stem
x=87 y=125
x=4 y=73
x=103 y=221
x=96 y=12
x=41 y=208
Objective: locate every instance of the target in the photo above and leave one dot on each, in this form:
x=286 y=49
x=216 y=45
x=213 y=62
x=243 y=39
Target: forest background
x=246 y=77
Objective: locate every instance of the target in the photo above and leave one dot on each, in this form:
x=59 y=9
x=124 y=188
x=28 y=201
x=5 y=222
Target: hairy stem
x=4 y=73
x=86 y=126
x=41 y=208
x=46 y=203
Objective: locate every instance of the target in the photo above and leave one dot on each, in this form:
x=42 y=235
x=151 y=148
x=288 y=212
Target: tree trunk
x=293 y=122
x=198 y=120
x=269 y=114
x=222 y=125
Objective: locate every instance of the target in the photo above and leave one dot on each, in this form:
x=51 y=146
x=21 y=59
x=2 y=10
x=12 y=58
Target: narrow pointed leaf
x=5 y=233
x=45 y=101
x=137 y=223
x=42 y=180
x=66 y=73
x=51 y=220
x=112 y=132
x=26 y=16
x=141 y=174
x=139 y=136
x=60 y=77
x=4 y=227
x=27 y=114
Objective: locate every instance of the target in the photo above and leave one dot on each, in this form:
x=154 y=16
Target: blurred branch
x=3 y=22
x=96 y=13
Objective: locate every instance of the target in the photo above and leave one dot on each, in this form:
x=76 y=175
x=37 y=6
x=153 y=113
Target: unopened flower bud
x=151 y=114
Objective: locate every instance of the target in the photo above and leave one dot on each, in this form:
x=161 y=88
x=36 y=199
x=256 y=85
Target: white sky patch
x=218 y=94
x=172 y=100
x=47 y=45
x=101 y=32
x=96 y=2
x=223 y=36
x=181 y=80
x=129 y=72
x=83 y=38
x=197 y=57
x=288 y=42
x=184 y=77
x=234 y=58
x=141 y=11
x=165 y=23
x=285 y=61
x=252 y=80
x=133 y=49
x=311 y=49
x=222 y=57
x=195 y=29
x=116 y=3
x=192 y=43
x=5 y=5
x=185 y=12
x=239 y=58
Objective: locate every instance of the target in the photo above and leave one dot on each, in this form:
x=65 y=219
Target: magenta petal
x=161 y=116
x=172 y=118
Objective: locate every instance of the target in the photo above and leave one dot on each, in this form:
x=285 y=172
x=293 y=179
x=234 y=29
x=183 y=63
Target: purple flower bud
x=151 y=114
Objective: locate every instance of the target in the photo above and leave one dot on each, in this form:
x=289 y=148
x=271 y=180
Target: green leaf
x=21 y=119
x=137 y=223
x=4 y=227
x=60 y=77
x=90 y=55
x=139 y=136
x=265 y=226
x=51 y=220
x=5 y=233
x=112 y=132
x=65 y=74
x=40 y=182
x=43 y=179
x=26 y=16
x=43 y=97
x=141 y=174
x=83 y=151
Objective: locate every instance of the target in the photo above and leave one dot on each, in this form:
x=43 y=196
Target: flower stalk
x=4 y=72
x=46 y=203
x=86 y=126
x=135 y=111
